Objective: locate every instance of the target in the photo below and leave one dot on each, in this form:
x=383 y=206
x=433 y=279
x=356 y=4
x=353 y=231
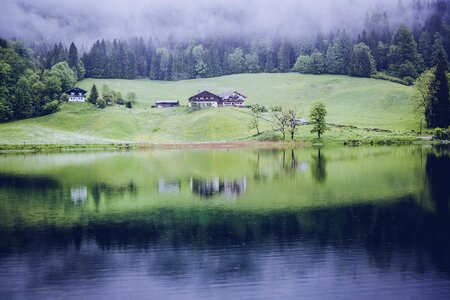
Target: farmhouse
x=232 y=99
x=76 y=94
x=206 y=99
x=166 y=103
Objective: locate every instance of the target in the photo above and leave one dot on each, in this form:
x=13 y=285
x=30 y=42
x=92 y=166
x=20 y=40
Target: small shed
x=166 y=103
x=76 y=94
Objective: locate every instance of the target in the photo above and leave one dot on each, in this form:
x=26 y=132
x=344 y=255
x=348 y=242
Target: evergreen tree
x=425 y=48
x=406 y=50
x=236 y=61
x=73 y=56
x=303 y=64
x=362 y=63
x=284 y=57
x=335 y=59
x=437 y=113
x=380 y=55
x=317 y=65
x=252 y=62
x=93 y=95
x=438 y=49
x=201 y=68
x=347 y=48
x=22 y=103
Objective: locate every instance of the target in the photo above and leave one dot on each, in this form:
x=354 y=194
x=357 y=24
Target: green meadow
x=366 y=105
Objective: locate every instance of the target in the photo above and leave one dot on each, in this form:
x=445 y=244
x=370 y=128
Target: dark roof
x=75 y=90
x=231 y=94
x=206 y=97
x=167 y=102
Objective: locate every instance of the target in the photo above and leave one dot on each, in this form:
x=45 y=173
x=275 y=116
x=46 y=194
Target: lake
x=328 y=223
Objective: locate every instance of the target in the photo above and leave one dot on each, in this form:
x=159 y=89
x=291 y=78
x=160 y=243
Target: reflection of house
x=76 y=94
x=206 y=99
x=235 y=187
x=168 y=186
x=166 y=103
x=210 y=187
x=79 y=194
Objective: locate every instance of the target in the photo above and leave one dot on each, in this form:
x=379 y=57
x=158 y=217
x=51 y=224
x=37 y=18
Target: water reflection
x=168 y=186
x=144 y=231
x=209 y=187
x=79 y=194
x=438 y=175
x=319 y=167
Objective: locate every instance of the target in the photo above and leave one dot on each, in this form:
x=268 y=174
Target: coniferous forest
x=382 y=49
x=379 y=49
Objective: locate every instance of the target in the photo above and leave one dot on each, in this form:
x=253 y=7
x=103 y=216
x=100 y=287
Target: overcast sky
x=88 y=20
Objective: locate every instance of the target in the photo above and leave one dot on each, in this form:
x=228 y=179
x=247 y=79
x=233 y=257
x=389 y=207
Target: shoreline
x=36 y=148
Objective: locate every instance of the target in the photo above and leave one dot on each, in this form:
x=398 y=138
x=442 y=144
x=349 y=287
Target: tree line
x=27 y=88
x=399 y=54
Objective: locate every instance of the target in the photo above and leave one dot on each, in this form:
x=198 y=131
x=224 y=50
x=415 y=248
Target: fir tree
x=437 y=113
x=93 y=95
x=73 y=56
x=362 y=63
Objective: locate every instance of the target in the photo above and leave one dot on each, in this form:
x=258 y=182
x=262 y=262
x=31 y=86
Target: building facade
x=206 y=99
x=166 y=103
x=76 y=95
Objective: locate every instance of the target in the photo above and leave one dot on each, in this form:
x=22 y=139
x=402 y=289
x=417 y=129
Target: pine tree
x=93 y=95
x=73 y=56
x=335 y=59
x=406 y=48
x=362 y=63
x=425 y=48
x=437 y=113
x=438 y=49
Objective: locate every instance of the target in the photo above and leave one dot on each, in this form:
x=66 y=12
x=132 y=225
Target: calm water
x=228 y=224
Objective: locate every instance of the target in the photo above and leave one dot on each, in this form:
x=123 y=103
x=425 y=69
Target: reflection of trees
x=438 y=177
x=318 y=168
x=384 y=231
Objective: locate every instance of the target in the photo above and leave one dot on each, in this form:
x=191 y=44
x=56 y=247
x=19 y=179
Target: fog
x=87 y=20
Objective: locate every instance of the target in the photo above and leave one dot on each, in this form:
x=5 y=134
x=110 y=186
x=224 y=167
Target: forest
x=379 y=50
x=35 y=74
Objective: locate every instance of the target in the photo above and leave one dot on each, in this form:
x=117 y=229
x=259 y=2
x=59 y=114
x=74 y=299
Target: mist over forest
x=85 y=21
x=62 y=42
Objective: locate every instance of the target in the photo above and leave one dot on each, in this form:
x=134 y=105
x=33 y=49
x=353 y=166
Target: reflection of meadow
x=120 y=184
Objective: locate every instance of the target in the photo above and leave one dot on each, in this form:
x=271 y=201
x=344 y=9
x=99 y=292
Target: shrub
x=50 y=107
x=269 y=136
x=441 y=134
x=129 y=104
x=101 y=103
x=409 y=80
x=383 y=76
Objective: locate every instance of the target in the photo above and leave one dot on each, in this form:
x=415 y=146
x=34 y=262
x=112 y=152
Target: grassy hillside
x=365 y=103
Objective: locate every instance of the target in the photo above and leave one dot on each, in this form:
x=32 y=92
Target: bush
x=409 y=80
x=441 y=134
x=101 y=103
x=383 y=76
x=129 y=104
x=50 y=107
x=270 y=136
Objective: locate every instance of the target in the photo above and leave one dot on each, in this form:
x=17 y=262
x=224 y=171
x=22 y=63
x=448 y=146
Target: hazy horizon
x=85 y=21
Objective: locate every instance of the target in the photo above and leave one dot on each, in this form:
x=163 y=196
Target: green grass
x=364 y=103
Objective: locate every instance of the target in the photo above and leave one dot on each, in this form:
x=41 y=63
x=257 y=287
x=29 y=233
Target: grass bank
x=362 y=110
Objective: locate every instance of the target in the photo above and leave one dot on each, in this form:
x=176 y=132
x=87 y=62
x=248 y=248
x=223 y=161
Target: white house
x=206 y=99
x=76 y=94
